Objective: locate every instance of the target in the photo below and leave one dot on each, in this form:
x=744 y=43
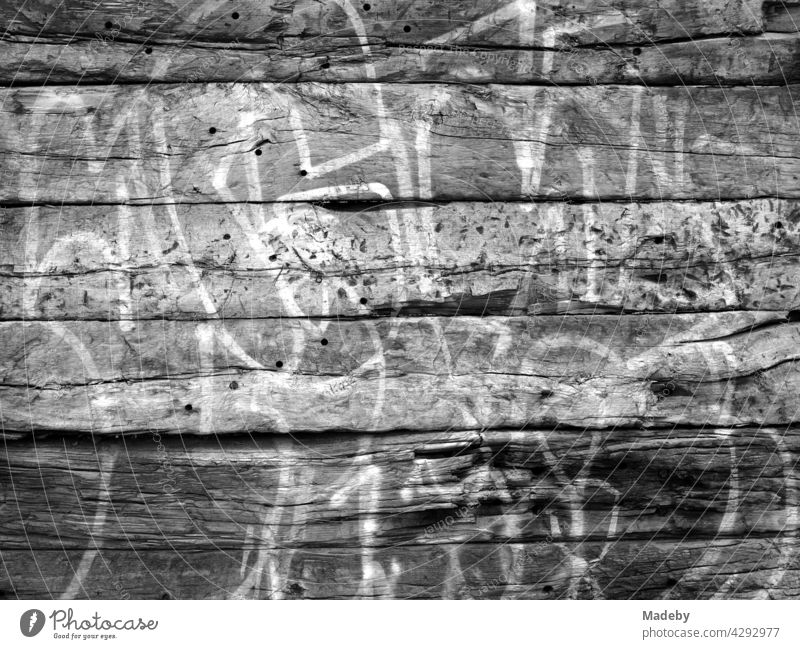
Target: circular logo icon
x=31 y=622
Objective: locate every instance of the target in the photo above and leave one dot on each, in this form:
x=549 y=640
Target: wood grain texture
x=267 y=261
x=614 y=514
x=323 y=299
x=782 y=16
x=416 y=489
x=523 y=22
x=414 y=374
x=300 y=142
x=768 y=59
x=679 y=347
x=740 y=569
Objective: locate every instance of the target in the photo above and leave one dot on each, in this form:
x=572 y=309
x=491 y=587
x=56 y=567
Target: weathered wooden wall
x=400 y=299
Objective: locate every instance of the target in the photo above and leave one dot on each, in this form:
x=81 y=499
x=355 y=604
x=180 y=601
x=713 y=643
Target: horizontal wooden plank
x=417 y=374
x=723 y=569
x=677 y=347
x=196 y=143
x=264 y=261
x=273 y=401
x=363 y=491
x=515 y=23
x=767 y=59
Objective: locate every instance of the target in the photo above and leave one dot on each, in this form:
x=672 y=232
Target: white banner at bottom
x=401 y=624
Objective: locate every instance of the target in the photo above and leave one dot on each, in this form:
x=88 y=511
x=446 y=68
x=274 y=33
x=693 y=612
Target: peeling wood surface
x=300 y=142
